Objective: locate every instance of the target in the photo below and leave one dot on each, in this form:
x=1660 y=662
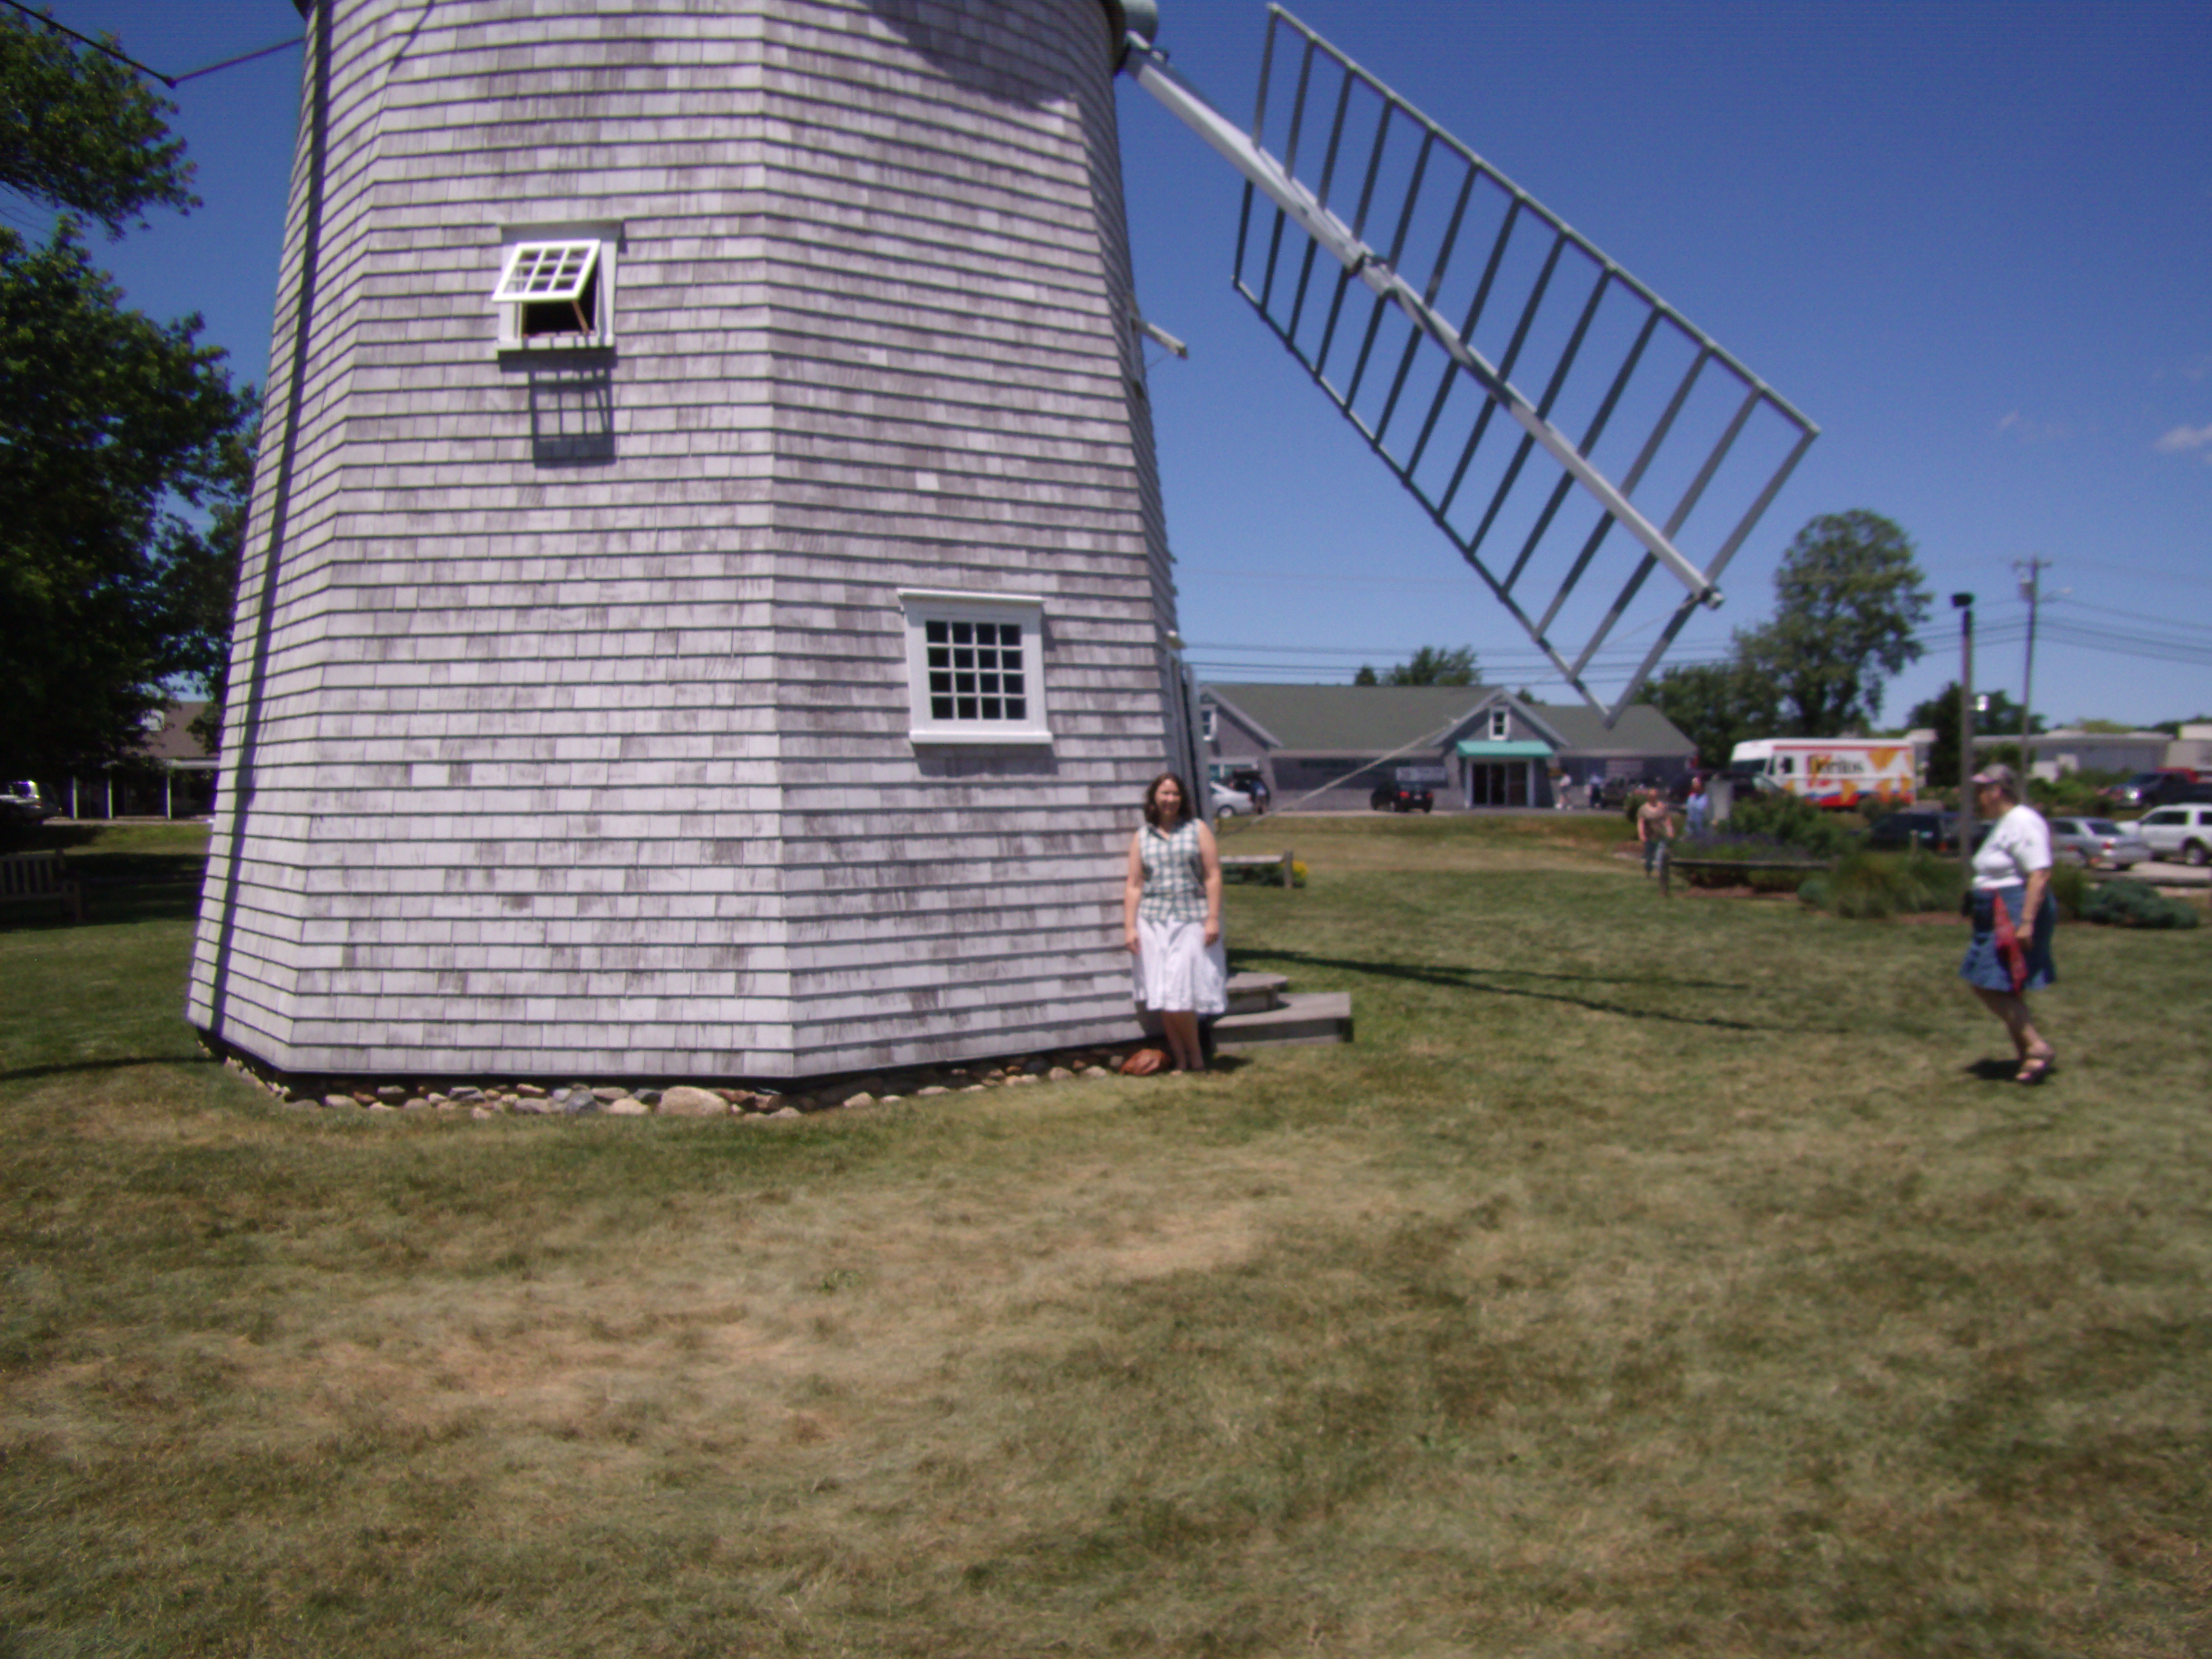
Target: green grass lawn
x=1652 y=1276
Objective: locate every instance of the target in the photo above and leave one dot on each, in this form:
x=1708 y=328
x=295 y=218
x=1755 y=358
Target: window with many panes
x=556 y=286
x=974 y=665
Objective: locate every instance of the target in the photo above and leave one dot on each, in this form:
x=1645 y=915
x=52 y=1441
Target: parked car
x=1403 y=798
x=23 y=803
x=1229 y=803
x=1936 y=831
x=2178 y=832
x=2167 y=787
x=2095 y=841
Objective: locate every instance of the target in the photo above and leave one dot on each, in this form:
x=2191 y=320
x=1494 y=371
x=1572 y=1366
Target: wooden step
x=1254 y=993
x=1302 y=1017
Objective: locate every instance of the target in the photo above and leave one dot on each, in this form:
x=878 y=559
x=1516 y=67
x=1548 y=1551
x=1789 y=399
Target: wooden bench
x=1669 y=866
x=1259 y=861
x=35 y=877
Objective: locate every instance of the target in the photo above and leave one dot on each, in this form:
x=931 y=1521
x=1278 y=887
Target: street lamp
x=1964 y=605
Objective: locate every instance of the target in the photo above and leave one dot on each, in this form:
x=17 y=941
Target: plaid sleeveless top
x=1175 y=875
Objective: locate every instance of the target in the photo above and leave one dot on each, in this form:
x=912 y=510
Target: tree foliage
x=1848 y=600
x=1432 y=665
x=80 y=132
x=1716 y=705
x=125 y=453
x=1939 y=715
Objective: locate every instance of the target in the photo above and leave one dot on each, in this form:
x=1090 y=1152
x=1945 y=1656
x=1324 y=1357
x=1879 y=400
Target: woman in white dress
x=1171 y=918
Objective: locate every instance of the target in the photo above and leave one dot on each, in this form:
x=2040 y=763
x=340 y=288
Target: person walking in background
x=1654 y=828
x=1171 y=920
x=2014 y=915
x=1698 y=810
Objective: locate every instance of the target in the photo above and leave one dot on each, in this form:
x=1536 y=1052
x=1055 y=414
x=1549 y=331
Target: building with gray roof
x=1330 y=747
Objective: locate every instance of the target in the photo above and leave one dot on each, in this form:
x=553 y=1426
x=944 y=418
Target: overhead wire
x=171 y=82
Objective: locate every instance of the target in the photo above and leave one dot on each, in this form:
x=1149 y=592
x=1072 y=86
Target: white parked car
x=1229 y=803
x=2178 y=832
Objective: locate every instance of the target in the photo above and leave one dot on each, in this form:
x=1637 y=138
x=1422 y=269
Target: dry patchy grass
x=1649 y=1279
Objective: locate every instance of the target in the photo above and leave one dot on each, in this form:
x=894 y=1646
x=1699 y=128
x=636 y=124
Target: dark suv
x=2160 y=789
x=1895 y=831
x=1403 y=798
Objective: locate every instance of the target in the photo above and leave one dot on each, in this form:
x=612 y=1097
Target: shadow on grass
x=1478 y=979
x=62 y=1068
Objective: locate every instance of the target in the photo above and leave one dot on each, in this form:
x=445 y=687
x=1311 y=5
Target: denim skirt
x=1984 y=967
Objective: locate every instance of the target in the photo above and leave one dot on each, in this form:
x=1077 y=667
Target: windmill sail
x=1570 y=431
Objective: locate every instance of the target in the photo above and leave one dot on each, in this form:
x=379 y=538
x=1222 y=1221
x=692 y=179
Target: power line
x=232 y=62
x=171 y=82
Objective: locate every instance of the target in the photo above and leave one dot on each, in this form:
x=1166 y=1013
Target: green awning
x=1519 y=749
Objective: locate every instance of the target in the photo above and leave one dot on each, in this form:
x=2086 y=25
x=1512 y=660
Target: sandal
x=2036 y=1067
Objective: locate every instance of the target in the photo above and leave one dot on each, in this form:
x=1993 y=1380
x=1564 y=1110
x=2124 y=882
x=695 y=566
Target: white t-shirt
x=2018 y=844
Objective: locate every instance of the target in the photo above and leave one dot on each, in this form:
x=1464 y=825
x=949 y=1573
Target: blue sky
x=1972 y=242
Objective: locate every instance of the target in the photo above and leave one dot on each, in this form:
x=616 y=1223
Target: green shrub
x=1792 y=821
x=1866 y=886
x=2134 y=904
x=2077 y=792
x=2070 y=886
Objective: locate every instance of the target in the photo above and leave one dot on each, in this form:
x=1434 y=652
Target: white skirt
x=1177 y=971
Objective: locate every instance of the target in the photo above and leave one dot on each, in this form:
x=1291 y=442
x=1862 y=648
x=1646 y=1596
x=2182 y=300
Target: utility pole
x=2031 y=589
x=1964 y=603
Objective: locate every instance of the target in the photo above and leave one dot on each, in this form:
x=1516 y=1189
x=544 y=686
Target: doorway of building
x=1498 y=783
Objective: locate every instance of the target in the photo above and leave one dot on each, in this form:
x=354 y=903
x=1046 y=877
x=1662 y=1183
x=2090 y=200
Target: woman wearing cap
x=2014 y=915
x=1171 y=918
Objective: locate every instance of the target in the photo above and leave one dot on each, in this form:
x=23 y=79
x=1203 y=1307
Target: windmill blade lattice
x=1566 y=429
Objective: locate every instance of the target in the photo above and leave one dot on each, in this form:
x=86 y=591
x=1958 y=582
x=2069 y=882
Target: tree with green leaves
x=1997 y=716
x=125 y=453
x=1848 y=598
x=1716 y=705
x=1432 y=665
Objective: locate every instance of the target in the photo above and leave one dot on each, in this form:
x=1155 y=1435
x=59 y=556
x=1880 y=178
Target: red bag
x=2009 y=952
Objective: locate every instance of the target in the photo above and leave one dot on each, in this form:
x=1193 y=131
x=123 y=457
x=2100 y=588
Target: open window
x=974 y=665
x=557 y=287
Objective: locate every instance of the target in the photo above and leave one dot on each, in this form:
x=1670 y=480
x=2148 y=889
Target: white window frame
x=1022 y=611
x=1501 y=725
x=595 y=246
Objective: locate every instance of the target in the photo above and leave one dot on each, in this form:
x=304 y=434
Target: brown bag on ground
x=1143 y=1063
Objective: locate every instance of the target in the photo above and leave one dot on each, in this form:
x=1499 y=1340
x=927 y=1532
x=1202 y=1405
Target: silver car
x=2095 y=841
x=1229 y=803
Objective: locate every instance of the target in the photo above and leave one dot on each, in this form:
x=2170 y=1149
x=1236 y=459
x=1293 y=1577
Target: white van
x=1835 y=772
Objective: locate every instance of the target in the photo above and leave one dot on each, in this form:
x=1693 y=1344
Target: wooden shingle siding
x=580 y=733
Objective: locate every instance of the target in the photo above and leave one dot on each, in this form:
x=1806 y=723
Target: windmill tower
x=707 y=609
